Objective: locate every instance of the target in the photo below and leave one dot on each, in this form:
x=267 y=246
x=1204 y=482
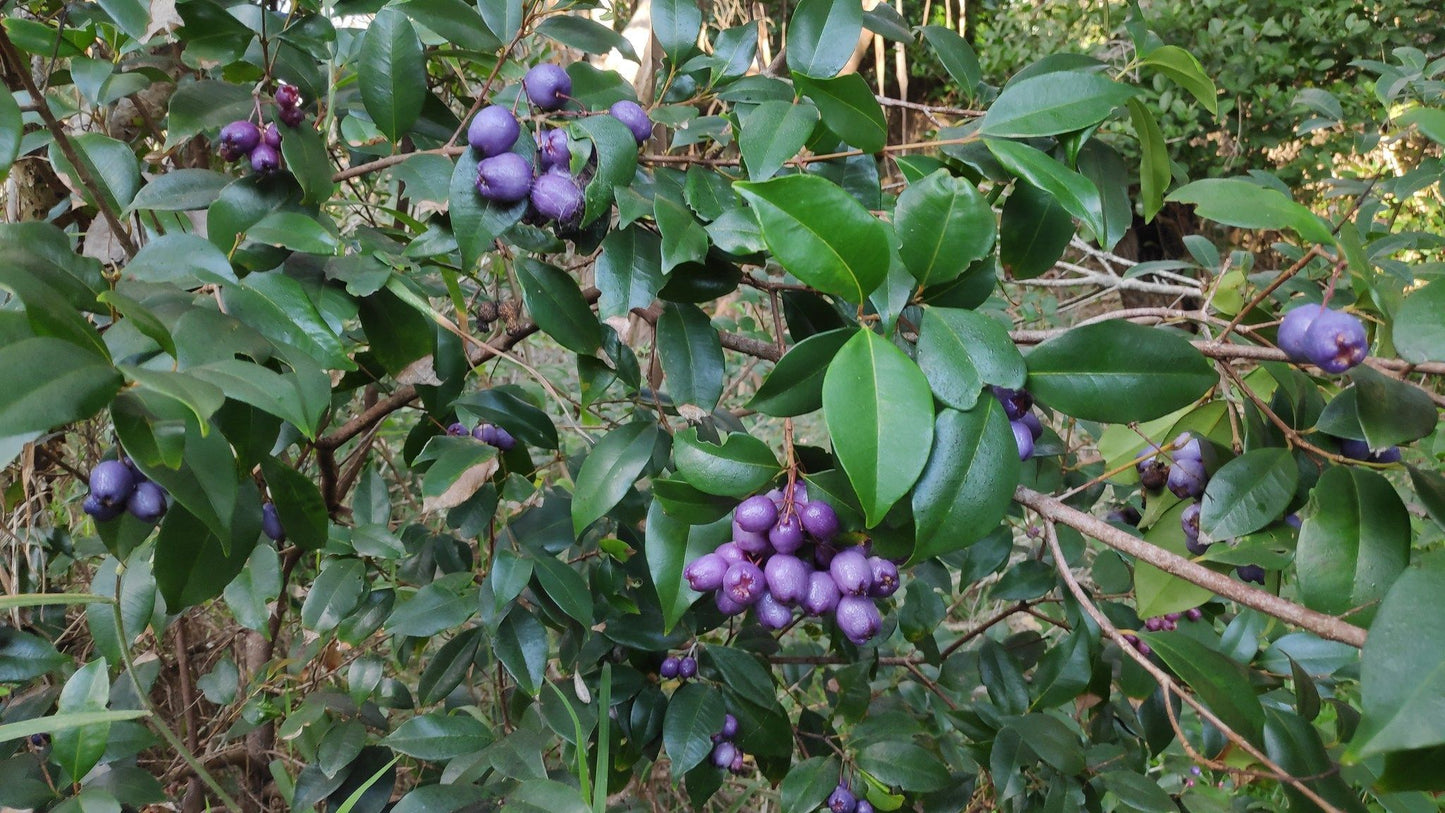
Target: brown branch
x=1280 y=279
x=62 y=140
x=742 y=344
x=1325 y=626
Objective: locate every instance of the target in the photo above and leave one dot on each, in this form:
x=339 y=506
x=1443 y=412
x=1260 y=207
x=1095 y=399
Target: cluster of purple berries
x=725 y=753
x=1186 y=477
x=261 y=147
x=288 y=105
x=1018 y=405
x=117 y=486
x=1334 y=341
x=1161 y=623
x=504 y=176
x=843 y=800
x=766 y=566
x=684 y=668
x=488 y=433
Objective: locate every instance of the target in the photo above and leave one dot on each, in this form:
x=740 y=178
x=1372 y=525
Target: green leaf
x=848 y=109
x=586 y=35
x=879 y=413
x=307 y=159
x=476 y=223
x=509 y=407
x=1296 y=747
x=609 y=471
x=87 y=690
x=1391 y=411
x=334 y=594
x=1248 y=493
x=1236 y=202
x=694 y=714
x=445 y=603
x=521 y=646
x=970 y=476
x=1354 y=541
x=821 y=234
x=683 y=239
x=822 y=35
x=295 y=231
x=616 y=151
x=733 y=51
x=772 y=134
x=1136 y=792
x=111 y=163
x=1117 y=371
x=555 y=301
x=944 y=225
x=956 y=55
x=903 y=765
x=391 y=73
x=676 y=24
x=438 y=736
x=1063 y=673
x=545 y=796
x=1073 y=191
x=567 y=587
x=456 y=20
x=1154 y=174
x=192 y=563
x=260 y=387
x=1034 y=232
x=449 y=667
x=960 y=351
x=1221 y=684
x=629 y=271
x=795 y=384
x=738 y=467
x=21 y=729
x=1184 y=69
x=12 y=130
x=1430 y=488
x=1053 y=103
x=1403 y=671
x=669 y=544
x=298 y=504
x=808 y=784
x=181 y=190
x=205 y=105
x=54 y=382
x=744 y=674
x=691 y=355
x=1418 y=331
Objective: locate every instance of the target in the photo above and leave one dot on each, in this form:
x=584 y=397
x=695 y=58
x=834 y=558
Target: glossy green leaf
x=439 y=736
x=1154 y=173
x=1034 y=232
x=694 y=714
x=449 y=668
x=1391 y=411
x=521 y=645
x=808 y=784
x=956 y=55
x=683 y=239
x=821 y=234
x=1248 y=493
x=1184 y=69
x=54 y=382
x=12 y=129
x=965 y=488
x=193 y=564
x=510 y=407
x=795 y=384
x=1220 y=683
x=669 y=544
x=586 y=35
x=1052 y=103
x=334 y=594
x=944 y=225
x=676 y=24
x=1418 y=330
x=772 y=134
x=445 y=603
x=1236 y=202
x=688 y=504
x=629 y=271
x=86 y=691
x=1295 y=746
x=609 y=471
x=616 y=151
x=1073 y=191
x=738 y=467
x=822 y=35
x=109 y=162
x=1430 y=487
x=691 y=355
x=567 y=587
x=1403 y=672
x=1354 y=542
x=848 y=108
x=295 y=231
x=960 y=351
x=456 y=20
x=181 y=190
x=879 y=413
x=555 y=301
x=1117 y=371
x=391 y=73
x=902 y=764
x=1137 y=792
x=298 y=504
x=306 y=158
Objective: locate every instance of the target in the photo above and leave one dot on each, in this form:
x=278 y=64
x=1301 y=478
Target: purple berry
x=504 y=440
x=1036 y=428
x=265 y=159
x=1187 y=478
x=787 y=578
x=1172 y=617
x=787 y=535
x=750 y=543
x=238 y=138
x=858 y=618
x=458 y=430
x=1154 y=624
x=723 y=754
x=486 y=433
x=819 y=520
x=885 y=577
x=1023 y=438
x=737 y=767
x=632 y=114
x=1360 y=450
x=1250 y=573
x=823 y=556
x=291 y=116
x=1336 y=341
x=1016 y=403
x=271 y=523
x=1130 y=638
x=547 y=85
x=864 y=806
x=744 y=582
x=705 y=572
x=148 y=502
x=1125 y=515
x=1186 y=447
x=1144 y=649
x=504 y=178
x=756 y=514
x=669 y=667
x=556 y=196
x=93 y=506
x=493 y=130
x=772 y=614
x=287 y=96
x=1292 y=330
x=687 y=667
x=731 y=553
x=112 y=482
x=271 y=136
x=822 y=596
x=842 y=800
x=552 y=149
x=1189 y=521
x=729 y=727
x=726 y=605
x=1153 y=473
x=1193 y=614
x=851 y=572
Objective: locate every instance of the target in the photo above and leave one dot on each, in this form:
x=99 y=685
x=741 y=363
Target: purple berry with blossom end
x=493 y=130
x=504 y=440
x=265 y=159
x=631 y=114
x=842 y=800
x=729 y=727
x=723 y=754
x=823 y=594
x=271 y=136
x=885 y=577
x=1145 y=649
x=504 y=178
x=737 y=767
x=756 y=514
x=288 y=96
x=772 y=614
x=552 y=149
x=744 y=582
x=1336 y=341
x=1292 y=329
x=730 y=552
x=820 y=520
x=1023 y=438
x=238 y=138
x=547 y=85
x=669 y=667
x=1189 y=522
x=1016 y=403
x=1360 y=450
x=458 y=430
x=787 y=578
x=1153 y=472
x=687 y=667
x=100 y=511
x=705 y=572
x=787 y=535
x=1187 y=478
x=858 y=618
x=556 y=196
x=112 y=482
x=1154 y=624
x=851 y=572
x=1186 y=447
x=1124 y=515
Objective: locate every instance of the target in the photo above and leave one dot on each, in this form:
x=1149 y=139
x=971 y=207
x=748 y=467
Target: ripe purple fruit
x=1016 y=403
x=687 y=667
x=820 y=520
x=705 y=572
x=552 y=149
x=271 y=136
x=1193 y=614
x=238 y=138
x=486 y=433
x=1336 y=341
x=291 y=116
x=858 y=618
x=669 y=667
x=1189 y=521
x=1292 y=330
x=458 y=430
x=772 y=614
x=287 y=96
x=265 y=159
x=1124 y=515
x=1250 y=573
x=493 y=130
x=1023 y=438
x=885 y=577
x=1036 y=429
x=842 y=800
x=1186 y=447
x=632 y=114
x=744 y=582
x=504 y=440
x=1360 y=450
x=750 y=543
x=723 y=754
x=756 y=514
x=730 y=552
x=864 y=806
x=787 y=535
x=99 y=510
x=556 y=196
x=787 y=578
x=822 y=596
x=148 y=503
x=726 y=605
x=271 y=523
x=504 y=178
x=729 y=727
x=851 y=572
x=1187 y=478
x=112 y=482
x=1154 y=624
x=547 y=85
